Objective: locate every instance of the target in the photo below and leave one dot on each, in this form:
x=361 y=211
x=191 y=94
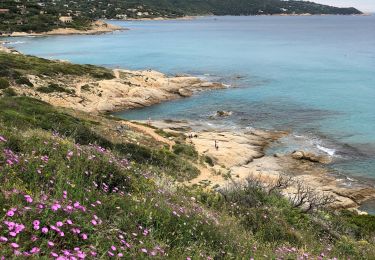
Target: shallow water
x=314 y=76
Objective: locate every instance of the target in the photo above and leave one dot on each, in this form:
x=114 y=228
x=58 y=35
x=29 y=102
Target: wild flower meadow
x=65 y=196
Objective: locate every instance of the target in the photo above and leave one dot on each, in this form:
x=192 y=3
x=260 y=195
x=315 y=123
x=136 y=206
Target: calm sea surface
x=314 y=76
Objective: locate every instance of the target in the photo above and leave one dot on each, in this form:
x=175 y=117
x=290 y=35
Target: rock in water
x=308 y=156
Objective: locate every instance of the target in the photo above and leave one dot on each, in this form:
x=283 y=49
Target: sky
x=363 y=5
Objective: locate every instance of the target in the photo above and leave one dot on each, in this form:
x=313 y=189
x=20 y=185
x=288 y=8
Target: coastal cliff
x=75 y=182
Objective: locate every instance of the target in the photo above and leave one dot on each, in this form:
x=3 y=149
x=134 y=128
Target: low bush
x=24 y=81
x=185 y=150
x=4 y=83
x=53 y=87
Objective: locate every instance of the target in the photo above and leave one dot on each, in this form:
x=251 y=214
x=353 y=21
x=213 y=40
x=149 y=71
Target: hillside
x=94 y=186
x=46 y=15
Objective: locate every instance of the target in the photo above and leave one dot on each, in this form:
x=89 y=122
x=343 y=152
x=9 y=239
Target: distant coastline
x=102 y=27
x=97 y=27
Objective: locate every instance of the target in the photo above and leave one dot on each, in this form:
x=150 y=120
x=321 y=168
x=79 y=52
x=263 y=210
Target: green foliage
x=25 y=113
x=51 y=88
x=185 y=150
x=4 y=83
x=14 y=65
x=24 y=81
x=43 y=15
x=209 y=160
x=120 y=184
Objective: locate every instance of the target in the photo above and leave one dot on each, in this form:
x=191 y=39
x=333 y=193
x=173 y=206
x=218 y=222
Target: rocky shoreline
x=241 y=155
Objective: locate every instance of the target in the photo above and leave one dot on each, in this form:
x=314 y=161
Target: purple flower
x=3 y=239
x=28 y=199
x=45 y=230
x=35 y=250
x=14 y=245
x=10 y=213
x=50 y=243
x=59 y=224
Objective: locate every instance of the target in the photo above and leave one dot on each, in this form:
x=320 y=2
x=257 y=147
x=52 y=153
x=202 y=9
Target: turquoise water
x=314 y=76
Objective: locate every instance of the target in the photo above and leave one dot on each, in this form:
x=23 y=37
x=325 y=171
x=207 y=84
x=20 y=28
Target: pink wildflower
x=45 y=230
x=50 y=243
x=3 y=239
x=69 y=222
x=84 y=236
x=10 y=213
x=56 y=206
x=113 y=248
x=94 y=222
x=14 y=245
x=36 y=222
x=110 y=253
x=28 y=199
x=144 y=250
x=2 y=139
x=59 y=224
x=35 y=250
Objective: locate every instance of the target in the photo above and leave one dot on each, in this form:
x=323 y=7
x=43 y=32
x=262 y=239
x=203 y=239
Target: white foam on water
x=16 y=42
x=328 y=151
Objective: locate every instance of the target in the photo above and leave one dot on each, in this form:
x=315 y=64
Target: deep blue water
x=314 y=76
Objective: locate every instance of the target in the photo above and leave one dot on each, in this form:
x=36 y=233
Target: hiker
x=216 y=145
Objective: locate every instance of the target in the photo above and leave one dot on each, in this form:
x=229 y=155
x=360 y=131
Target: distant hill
x=244 y=7
x=45 y=15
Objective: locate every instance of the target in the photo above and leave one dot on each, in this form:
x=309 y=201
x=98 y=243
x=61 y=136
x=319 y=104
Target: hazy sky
x=363 y=5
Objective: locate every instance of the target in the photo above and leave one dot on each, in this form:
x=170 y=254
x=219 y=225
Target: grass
x=59 y=172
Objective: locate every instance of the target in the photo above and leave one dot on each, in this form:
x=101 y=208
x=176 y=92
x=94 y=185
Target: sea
x=313 y=76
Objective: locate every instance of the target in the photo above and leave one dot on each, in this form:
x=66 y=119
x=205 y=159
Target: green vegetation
x=53 y=87
x=24 y=81
x=43 y=15
x=185 y=150
x=15 y=66
x=208 y=160
x=64 y=185
x=4 y=83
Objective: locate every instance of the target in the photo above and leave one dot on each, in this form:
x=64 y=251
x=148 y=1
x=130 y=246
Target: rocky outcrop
x=129 y=89
x=308 y=156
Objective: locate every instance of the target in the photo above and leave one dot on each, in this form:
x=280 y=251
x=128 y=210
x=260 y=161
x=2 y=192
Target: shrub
x=53 y=87
x=185 y=150
x=24 y=81
x=4 y=83
x=9 y=92
x=209 y=160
